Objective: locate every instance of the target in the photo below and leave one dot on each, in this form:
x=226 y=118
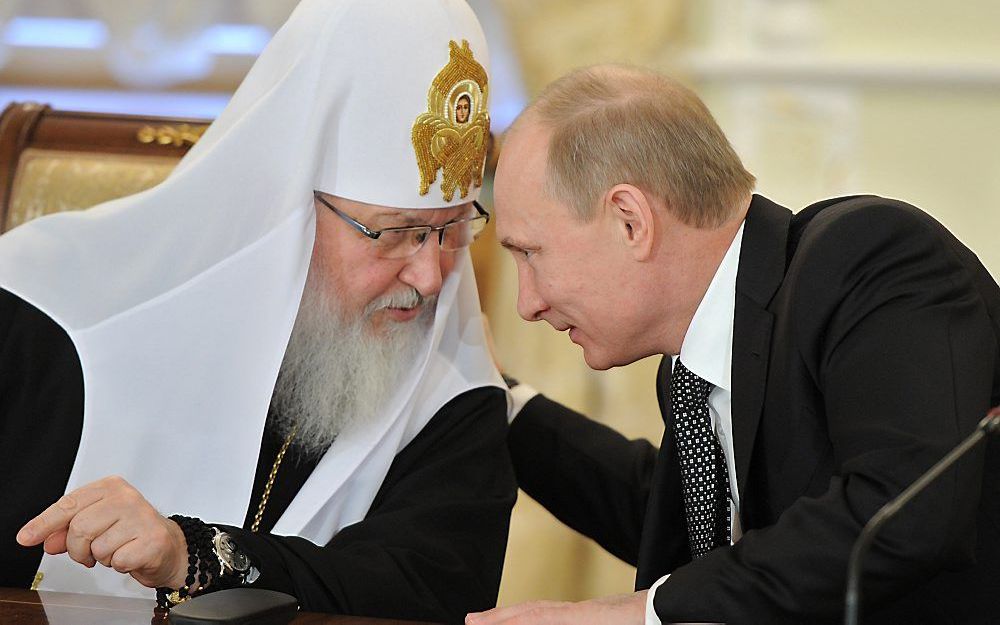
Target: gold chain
x=270 y=480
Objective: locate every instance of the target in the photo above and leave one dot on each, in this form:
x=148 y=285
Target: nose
x=530 y=304
x=423 y=271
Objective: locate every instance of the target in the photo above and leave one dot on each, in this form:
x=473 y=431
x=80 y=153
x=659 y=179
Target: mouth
x=559 y=326
x=573 y=332
x=402 y=314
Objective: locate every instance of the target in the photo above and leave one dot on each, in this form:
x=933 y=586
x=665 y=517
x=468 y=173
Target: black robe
x=430 y=548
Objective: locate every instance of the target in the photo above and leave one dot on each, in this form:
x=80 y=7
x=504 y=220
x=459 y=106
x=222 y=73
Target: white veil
x=180 y=300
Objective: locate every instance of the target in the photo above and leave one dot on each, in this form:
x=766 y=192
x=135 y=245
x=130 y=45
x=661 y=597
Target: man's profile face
x=462 y=109
x=366 y=284
x=569 y=272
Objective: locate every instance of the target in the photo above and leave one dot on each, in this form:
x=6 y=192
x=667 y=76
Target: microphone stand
x=988 y=426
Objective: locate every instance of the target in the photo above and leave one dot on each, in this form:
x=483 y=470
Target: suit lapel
x=761 y=270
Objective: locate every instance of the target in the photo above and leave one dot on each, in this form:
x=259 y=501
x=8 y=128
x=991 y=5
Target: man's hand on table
x=109 y=521
x=618 y=610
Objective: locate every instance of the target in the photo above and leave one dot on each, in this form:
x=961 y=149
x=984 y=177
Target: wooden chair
x=52 y=161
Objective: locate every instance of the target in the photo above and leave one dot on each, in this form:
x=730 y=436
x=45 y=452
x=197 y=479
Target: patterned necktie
x=704 y=476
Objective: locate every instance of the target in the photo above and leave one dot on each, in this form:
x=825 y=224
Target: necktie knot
x=684 y=383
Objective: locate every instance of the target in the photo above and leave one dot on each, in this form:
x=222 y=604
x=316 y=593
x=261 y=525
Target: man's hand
x=109 y=521
x=617 y=610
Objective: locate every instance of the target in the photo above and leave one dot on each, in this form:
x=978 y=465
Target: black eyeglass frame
x=375 y=234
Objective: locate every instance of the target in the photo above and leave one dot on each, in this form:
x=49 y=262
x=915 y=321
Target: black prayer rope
x=203 y=565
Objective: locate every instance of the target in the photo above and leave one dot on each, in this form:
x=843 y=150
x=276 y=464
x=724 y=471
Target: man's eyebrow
x=396 y=219
x=400 y=219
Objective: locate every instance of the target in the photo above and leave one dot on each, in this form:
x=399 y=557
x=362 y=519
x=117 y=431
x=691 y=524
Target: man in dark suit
x=814 y=365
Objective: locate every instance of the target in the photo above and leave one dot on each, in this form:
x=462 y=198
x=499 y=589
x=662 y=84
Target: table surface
x=26 y=607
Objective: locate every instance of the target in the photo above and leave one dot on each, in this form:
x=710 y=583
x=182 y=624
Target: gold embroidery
x=39 y=576
x=452 y=134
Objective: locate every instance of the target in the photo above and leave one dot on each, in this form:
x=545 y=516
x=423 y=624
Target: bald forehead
x=521 y=198
x=528 y=121
x=525 y=150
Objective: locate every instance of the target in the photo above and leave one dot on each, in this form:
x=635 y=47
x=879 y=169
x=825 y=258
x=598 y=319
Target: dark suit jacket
x=866 y=345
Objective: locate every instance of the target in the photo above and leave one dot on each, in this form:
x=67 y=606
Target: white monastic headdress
x=180 y=300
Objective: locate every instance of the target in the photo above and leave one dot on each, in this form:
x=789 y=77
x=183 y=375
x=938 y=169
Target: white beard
x=336 y=372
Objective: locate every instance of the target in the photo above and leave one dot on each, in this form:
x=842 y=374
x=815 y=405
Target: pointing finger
x=57 y=517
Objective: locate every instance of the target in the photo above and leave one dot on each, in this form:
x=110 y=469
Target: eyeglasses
x=407 y=240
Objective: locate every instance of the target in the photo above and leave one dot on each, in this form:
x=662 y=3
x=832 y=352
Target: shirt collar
x=707 y=350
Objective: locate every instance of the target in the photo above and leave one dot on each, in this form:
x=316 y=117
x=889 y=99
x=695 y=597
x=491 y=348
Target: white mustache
x=408 y=298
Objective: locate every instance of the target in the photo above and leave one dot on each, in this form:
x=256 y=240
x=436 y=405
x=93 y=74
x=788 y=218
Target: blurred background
x=820 y=97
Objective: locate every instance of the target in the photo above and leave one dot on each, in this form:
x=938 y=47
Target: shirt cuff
x=651 y=617
x=517 y=398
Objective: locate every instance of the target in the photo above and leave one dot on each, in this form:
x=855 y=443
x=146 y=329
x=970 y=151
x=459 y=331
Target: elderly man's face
x=367 y=284
x=627 y=283
x=570 y=273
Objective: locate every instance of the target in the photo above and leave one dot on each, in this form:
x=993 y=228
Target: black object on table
x=237 y=606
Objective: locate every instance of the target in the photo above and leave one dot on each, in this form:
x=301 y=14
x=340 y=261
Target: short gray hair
x=614 y=124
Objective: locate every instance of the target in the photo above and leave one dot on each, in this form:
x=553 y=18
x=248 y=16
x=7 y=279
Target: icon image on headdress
x=452 y=134
x=462 y=107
